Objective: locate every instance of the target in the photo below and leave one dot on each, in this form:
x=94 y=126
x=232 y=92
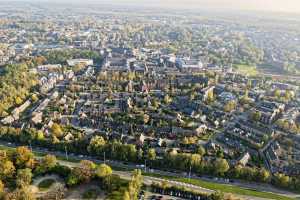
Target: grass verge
x=224 y=187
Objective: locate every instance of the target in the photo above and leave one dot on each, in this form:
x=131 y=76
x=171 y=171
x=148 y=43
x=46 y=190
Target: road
x=148 y=180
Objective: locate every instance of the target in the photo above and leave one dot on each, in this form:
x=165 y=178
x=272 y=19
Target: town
x=190 y=97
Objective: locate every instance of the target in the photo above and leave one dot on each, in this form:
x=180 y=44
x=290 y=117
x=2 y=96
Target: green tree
x=1 y=189
x=47 y=163
x=221 y=166
x=201 y=151
x=229 y=106
x=256 y=115
x=96 y=145
x=7 y=169
x=263 y=175
x=24 y=157
x=103 y=171
x=57 y=130
x=23 y=193
x=151 y=154
x=24 y=177
x=282 y=180
x=277 y=93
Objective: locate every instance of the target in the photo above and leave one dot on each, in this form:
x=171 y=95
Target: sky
x=257 y=5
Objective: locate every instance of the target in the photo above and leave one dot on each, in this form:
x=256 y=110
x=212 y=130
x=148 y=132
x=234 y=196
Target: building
x=74 y=62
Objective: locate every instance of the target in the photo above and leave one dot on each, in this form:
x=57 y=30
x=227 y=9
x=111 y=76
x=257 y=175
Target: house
x=226 y=97
x=8 y=120
x=206 y=92
x=85 y=62
x=201 y=129
x=244 y=159
x=46 y=68
x=189 y=64
x=269 y=111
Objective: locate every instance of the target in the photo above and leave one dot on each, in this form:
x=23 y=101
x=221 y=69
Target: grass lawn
x=246 y=69
x=224 y=187
x=46 y=184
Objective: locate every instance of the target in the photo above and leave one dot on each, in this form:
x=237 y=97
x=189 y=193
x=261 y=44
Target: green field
x=224 y=188
x=246 y=69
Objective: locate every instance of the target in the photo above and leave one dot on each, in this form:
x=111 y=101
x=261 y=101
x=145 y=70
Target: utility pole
x=104 y=157
x=66 y=153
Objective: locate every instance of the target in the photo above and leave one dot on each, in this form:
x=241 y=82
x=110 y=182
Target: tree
x=288 y=95
x=3 y=155
x=103 y=171
x=126 y=196
x=221 y=166
x=256 y=115
x=34 y=98
x=282 y=180
x=86 y=170
x=263 y=175
x=195 y=160
x=140 y=154
x=167 y=99
x=18 y=101
x=73 y=179
x=230 y=106
x=1 y=189
x=210 y=96
x=277 y=93
x=7 y=169
x=40 y=136
x=135 y=184
x=56 y=193
x=47 y=163
x=24 y=157
x=23 y=193
x=24 y=177
x=56 y=130
x=151 y=155
x=217 y=196
x=96 y=145
x=201 y=151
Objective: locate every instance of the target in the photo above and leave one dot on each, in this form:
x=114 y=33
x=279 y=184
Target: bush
x=46 y=184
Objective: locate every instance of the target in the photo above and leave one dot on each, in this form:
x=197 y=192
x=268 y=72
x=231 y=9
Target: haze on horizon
x=291 y=6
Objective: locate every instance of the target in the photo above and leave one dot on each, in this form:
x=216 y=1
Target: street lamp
x=104 y=157
x=66 y=152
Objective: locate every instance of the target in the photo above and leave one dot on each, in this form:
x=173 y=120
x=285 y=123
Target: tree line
x=195 y=162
